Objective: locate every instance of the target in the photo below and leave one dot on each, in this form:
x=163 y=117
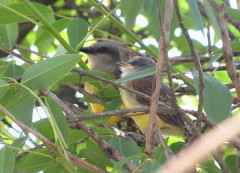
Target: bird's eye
x=103 y=49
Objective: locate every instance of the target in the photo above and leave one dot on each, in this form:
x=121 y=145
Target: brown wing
x=146 y=85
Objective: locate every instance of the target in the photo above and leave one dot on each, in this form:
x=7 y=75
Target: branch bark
x=227 y=51
x=153 y=127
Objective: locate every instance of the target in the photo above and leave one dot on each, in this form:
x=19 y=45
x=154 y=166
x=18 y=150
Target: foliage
x=56 y=30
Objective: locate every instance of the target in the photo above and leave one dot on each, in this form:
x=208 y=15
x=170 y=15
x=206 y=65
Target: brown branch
x=227 y=16
x=209 y=40
x=153 y=126
x=200 y=79
x=220 y=68
x=182 y=59
x=167 y=151
x=109 y=150
x=74 y=159
x=120 y=113
x=227 y=51
x=31 y=149
x=87 y=94
x=195 y=57
x=16 y=55
x=31 y=51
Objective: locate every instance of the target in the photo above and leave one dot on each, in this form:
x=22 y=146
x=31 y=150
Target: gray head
x=102 y=53
x=135 y=64
x=103 y=57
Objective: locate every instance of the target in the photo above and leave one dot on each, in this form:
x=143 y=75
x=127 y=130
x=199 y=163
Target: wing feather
x=146 y=85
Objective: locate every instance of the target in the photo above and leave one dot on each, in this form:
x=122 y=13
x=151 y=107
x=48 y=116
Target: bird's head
x=136 y=64
x=102 y=55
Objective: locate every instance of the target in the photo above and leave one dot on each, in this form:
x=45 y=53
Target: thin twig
x=31 y=149
x=87 y=94
x=209 y=41
x=196 y=60
x=120 y=113
x=220 y=68
x=16 y=55
x=31 y=51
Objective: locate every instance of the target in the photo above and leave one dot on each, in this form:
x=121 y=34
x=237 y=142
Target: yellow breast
x=142 y=120
x=97 y=107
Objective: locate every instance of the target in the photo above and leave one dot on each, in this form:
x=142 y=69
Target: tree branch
x=227 y=51
x=153 y=126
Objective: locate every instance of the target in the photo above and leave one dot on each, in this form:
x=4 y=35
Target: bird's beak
x=87 y=50
x=124 y=64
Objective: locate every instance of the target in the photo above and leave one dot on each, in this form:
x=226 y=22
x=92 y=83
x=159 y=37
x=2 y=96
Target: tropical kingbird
x=170 y=124
x=103 y=57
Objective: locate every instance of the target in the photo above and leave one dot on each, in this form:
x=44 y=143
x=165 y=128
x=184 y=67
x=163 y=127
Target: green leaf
x=94 y=154
x=217 y=98
x=60 y=119
x=234 y=45
x=46 y=73
x=8 y=35
x=7 y=160
x=120 y=164
x=158 y=160
x=214 y=59
x=45 y=128
x=19 y=144
x=22 y=109
x=13 y=71
x=233 y=12
x=232 y=162
x=4 y=86
x=12 y=94
x=196 y=16
x=209 y=163
x=7 y=17
x=59 y=25
x=140 y=74
x=21 y=106
x=58 y=169
x=109 y=94
x=150 y=9
x=113 y=105
x=127 y=148
x=74 y=137
x=77 y=30
x=177 y=146
x=33 y=162
x=87 y=99
x=129 y=12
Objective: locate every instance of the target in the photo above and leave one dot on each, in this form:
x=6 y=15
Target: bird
x=103 y=57
x=170 y=124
